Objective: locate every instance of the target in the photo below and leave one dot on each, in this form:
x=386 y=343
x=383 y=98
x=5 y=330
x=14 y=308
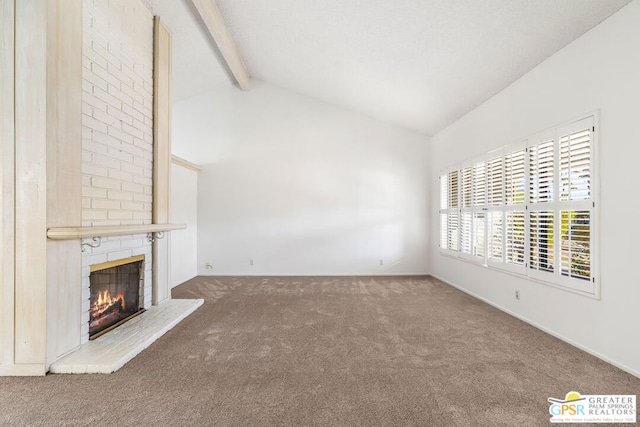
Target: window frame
x=589 y=206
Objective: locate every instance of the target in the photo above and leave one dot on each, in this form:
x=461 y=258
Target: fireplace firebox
x=114 y=294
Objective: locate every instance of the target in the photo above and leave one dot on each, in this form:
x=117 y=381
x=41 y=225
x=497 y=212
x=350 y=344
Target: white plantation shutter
x=453 y=190
x=541 y=212
x=466 y=191
x=453 y=225
x=479 y=201
x=575 y=165
x=515 y=197
x=541 y=238
x=514 y=177
x=466 y=184
x=478 y=248
x=495 y=214
x=528 y=208
x=514 y=238
x=495 y=184
x=452 y=231
x=576 y=206
x=541 y=171
x=479 y=184
x=449 y=211
x=442 y=212
x=444 y=192
x=495 y=224
x=473 y=199
x=575 y=243
x=465 y=233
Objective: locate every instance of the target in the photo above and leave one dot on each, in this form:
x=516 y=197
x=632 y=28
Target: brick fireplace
x=117 y=136
x=85 y=163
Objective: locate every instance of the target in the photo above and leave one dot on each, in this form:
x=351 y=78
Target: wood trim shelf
x=185 y=163
x=69 y=233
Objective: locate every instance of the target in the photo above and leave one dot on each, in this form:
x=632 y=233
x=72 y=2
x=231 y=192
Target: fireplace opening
x=114 y=289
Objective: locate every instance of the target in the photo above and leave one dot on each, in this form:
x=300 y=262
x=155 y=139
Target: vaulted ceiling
x=419 y=64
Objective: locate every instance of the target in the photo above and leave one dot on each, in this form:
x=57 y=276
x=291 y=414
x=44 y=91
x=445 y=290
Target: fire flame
x=104 y=302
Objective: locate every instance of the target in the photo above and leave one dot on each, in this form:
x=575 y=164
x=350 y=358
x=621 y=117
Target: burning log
x=105 y=305
x=116 y=307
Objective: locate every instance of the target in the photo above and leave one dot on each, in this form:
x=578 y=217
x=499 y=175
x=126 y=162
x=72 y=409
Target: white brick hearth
x=111 y=351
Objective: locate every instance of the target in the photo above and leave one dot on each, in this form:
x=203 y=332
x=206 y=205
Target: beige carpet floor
x=316 y=351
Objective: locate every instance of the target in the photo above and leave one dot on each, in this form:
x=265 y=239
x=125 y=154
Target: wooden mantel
x=69 y=233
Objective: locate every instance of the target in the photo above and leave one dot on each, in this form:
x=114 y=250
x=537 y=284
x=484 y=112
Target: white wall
x=601 y=71
x=184 y=210
x=302 y=187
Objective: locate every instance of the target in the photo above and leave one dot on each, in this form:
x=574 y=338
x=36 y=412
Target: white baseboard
x=23 y=370
x=542 y=328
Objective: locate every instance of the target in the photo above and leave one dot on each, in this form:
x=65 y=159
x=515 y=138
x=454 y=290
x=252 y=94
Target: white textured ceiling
x=419 y=64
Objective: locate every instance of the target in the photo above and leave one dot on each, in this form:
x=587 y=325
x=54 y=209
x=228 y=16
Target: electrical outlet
x=250 y=262
x=208 y=266
x=517 y=294
x=381 y=262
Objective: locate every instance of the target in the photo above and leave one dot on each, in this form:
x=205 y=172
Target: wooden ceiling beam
x=212 y=19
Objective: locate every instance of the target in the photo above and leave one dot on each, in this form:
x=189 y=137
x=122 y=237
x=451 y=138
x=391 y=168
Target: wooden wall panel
x=64 y=174
x=161 y=157
x=31 y=182
x=40 y=181
x=7 y=15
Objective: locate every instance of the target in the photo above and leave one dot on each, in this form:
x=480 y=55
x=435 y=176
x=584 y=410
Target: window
x=527 y=208
x=466 y=191
x=542 y=171
x=449 y=211
x=514 y=209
